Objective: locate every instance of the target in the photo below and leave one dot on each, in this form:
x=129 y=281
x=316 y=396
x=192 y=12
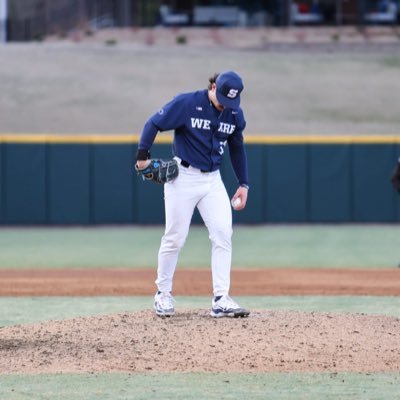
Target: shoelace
x=166 y=300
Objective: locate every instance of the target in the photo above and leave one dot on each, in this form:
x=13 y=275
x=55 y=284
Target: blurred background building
x=22 y=20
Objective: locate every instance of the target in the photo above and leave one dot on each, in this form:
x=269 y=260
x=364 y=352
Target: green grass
x=265 y=246
x=199 y=386
x=24 y=310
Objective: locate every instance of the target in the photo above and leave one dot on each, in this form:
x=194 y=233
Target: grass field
x=260 y=246
x=27 y=310
x=283 y=386
x=297 y=246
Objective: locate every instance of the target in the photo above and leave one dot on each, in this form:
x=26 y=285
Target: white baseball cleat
x=164 y=304
x=225 y=306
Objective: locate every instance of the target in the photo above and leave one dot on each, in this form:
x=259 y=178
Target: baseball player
x=205 y=123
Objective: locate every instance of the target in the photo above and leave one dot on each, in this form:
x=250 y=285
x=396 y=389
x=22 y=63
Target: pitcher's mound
x=193 y=341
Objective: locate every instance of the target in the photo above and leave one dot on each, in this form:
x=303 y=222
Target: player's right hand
x=241 y=194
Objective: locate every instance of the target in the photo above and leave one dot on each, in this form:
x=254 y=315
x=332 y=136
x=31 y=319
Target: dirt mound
x=193 y=341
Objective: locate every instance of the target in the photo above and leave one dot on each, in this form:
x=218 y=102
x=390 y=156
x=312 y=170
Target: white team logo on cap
x=232 y=93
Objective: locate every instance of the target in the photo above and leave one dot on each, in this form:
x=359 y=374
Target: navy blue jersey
x=201 y=132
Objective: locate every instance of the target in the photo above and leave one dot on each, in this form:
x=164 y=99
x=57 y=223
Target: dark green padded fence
x=299 y=181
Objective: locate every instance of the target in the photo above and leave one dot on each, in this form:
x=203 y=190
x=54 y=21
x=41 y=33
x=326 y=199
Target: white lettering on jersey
x=226 y=128
x=200 y=123
x=232 y=93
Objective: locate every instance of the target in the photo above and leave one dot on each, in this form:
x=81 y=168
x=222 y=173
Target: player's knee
x=173 y=242
x=222 y=238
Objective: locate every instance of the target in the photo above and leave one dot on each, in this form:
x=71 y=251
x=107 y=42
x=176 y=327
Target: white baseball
x=236 y=203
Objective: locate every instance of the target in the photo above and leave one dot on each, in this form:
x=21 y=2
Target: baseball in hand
x=236 y=203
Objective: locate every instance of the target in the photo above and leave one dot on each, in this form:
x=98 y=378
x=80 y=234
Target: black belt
x=187 y=165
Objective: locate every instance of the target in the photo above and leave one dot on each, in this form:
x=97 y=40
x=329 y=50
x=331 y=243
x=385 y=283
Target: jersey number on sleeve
x=221 y=147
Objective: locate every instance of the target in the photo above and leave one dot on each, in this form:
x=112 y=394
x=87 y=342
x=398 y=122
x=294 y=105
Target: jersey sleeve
x=237 y=152
x=148 y=136
x=171 y=116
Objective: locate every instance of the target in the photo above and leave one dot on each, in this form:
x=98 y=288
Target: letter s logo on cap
x=232 y=93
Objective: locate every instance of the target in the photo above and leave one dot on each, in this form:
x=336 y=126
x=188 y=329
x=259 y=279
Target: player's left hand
x=158 y=170
x=241 y=194
x=142 y=164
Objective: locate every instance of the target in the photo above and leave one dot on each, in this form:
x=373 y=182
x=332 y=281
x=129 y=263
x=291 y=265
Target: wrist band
x=142 y=155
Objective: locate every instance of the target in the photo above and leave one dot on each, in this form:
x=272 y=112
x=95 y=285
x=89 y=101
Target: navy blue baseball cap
x=229 y=86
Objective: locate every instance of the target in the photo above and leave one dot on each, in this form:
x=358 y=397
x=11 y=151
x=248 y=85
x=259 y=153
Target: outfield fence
x=90 y=179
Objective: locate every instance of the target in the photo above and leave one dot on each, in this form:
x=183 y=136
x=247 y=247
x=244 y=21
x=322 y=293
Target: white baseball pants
x=206 y=191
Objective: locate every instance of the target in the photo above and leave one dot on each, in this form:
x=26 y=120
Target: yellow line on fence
x=33 y=138
x=322 y=139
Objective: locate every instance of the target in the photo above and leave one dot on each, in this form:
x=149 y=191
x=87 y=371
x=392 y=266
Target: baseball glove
x=396 y=177
x=159 y=171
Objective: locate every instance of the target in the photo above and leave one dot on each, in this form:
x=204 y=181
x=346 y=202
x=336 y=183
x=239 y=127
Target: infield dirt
x=122 y=282
x=192 y=340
